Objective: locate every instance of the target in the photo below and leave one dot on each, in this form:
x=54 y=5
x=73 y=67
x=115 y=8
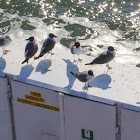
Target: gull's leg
x=51 y=56
x=89 y=85
x=32 y=62
x=52 y=53
x=46 y=55
x=79 y=60
x=86 y=86
x=3 y=50
x=74 y=58
x=109 y=67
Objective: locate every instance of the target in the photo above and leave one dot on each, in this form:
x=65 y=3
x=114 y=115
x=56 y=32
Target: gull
x=30 y=49
x=47 y=46
x=4 y=41
x=104 y=57
x=76 y=50
x=85 y=76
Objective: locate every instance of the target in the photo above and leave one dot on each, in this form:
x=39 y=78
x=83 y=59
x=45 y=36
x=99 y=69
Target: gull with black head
x=30 y=49
x=76 y=50
x=47 y=46
x=104 y=57
x=85 y=76
x=4 y=41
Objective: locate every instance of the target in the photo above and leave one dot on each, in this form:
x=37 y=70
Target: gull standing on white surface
x=4 y=41
x=104 y=57
x=48 y=45
x=86 y=77
x=76 y=50
x=30 y=49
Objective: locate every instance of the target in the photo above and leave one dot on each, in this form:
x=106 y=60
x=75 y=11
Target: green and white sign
x=87 y=134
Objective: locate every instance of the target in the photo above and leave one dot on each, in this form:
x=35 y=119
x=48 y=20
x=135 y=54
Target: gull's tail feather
x=37 y=57
x=26 y=60
x=88 y=64
x=91 y=63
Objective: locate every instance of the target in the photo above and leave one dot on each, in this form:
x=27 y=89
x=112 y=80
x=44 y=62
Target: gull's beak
x=27 y=39
x=115 y=49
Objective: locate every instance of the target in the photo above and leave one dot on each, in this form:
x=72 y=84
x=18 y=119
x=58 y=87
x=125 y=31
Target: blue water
x=95 y=23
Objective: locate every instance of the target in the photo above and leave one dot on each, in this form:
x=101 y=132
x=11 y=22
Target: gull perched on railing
x=47 y=46
x=30 y=49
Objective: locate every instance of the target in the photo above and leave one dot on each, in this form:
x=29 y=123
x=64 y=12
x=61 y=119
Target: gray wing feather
x=1 y=41
x=47 y=46
x=30 y=49
x=72 y=49
x=81 y=76
x=105 y=57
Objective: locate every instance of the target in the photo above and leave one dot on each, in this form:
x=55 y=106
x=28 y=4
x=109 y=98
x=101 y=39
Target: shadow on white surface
x=70 y=67
x=2 y=66
x=43 y=66
x=101 y=81
x=24 y=73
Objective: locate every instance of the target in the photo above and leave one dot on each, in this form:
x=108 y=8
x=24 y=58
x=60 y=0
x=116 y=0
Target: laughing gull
x=4 y=41
x=76 y=50
x=104 y=57
x=85 y=77
x=30 y=49
x=48 y=45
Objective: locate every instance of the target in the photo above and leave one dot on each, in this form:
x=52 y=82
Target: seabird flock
x=31 y=49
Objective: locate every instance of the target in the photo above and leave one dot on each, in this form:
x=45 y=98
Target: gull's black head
x=51 y=35
x=110 y=48
x=90 y=72
x=77 y=44
x=30 y=38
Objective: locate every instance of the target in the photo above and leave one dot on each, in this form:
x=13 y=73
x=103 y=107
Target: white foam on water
x=102 y=36
x=116 y=85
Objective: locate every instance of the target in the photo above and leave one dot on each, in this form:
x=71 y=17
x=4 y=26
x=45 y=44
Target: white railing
x=37 y=111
